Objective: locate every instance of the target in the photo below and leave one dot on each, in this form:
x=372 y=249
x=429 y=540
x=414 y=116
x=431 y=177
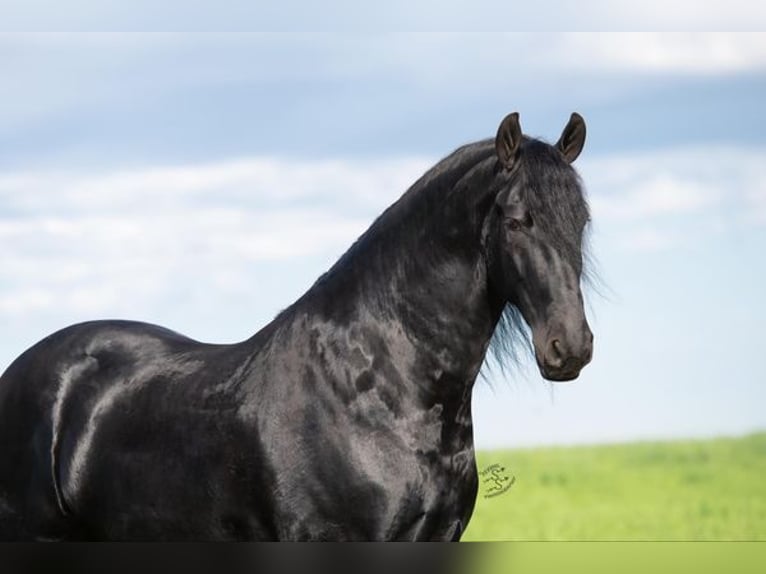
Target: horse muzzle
x=562 y=361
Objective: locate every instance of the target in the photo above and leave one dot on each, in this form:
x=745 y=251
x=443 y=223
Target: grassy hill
x=682 y=490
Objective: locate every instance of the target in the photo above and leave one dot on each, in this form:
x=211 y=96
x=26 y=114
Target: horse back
x=93 y=419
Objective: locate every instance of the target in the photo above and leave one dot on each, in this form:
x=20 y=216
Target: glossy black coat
x=346 y=418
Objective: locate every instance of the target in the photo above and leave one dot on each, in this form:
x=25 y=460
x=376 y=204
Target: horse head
x=534 y=243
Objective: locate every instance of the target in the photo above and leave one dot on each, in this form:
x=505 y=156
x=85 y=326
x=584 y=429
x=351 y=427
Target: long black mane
x=394 y=242
x=555 y=193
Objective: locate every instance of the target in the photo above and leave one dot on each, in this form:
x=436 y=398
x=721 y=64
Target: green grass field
x=684 y=490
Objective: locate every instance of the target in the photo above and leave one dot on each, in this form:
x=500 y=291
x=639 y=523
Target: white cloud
x=650 y=239
x=656 y=52
x=251 y=180
x=756 y=199
x=660 y=199
x=657 y=195
x=83 y=241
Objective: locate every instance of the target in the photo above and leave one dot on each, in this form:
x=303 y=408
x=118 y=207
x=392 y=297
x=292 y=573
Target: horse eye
x=516 y=224
x=527 y=221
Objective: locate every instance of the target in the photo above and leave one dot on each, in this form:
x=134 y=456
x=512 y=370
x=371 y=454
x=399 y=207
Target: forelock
x=554 y=195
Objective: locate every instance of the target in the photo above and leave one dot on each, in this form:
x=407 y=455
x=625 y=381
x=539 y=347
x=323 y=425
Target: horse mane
x=557 y=199
x=407 y=217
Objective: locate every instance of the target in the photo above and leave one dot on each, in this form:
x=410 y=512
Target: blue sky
x=203 y=182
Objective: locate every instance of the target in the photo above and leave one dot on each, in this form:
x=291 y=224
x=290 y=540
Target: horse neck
x=416 y=284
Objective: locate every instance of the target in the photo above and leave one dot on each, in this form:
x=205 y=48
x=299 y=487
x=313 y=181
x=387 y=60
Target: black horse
x=348 y=417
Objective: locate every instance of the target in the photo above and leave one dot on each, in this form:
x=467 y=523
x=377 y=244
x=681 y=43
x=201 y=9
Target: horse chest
x=376 y=482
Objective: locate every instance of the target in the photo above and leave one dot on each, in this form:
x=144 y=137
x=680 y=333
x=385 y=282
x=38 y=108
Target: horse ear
x=572 y=138
x=508 y=140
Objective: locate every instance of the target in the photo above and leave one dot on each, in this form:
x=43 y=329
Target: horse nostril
x=555 y=356
x=563 y=359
